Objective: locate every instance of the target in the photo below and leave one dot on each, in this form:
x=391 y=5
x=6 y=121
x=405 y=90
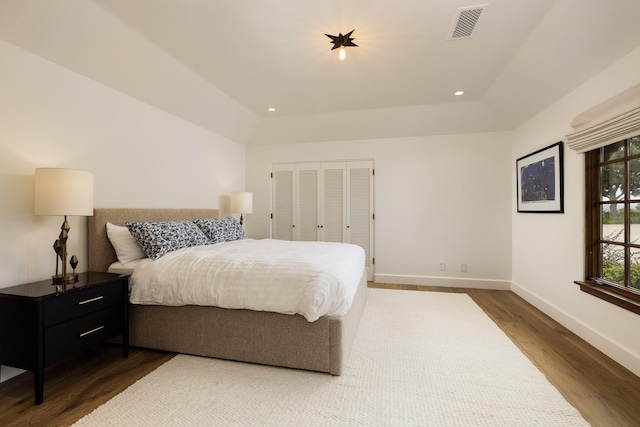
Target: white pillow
x=127 y=249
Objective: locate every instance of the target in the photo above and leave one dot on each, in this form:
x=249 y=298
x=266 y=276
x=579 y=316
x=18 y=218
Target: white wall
x=140 y=157
x=437 y=199
x=548 y=249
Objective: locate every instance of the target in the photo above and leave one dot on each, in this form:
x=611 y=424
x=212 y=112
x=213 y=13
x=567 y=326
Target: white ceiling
x=221 y=63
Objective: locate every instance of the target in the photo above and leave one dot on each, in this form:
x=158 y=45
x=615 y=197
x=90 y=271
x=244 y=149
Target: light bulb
x=342 y=54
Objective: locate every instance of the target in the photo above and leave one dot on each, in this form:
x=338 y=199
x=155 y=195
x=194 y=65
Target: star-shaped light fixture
x=341 y=41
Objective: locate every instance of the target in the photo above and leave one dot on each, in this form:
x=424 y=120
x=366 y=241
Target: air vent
x=465 y=22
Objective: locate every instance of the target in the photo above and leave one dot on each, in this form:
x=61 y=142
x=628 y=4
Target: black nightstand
x=43 y=324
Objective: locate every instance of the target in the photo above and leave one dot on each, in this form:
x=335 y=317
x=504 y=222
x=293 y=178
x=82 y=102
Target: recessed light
x=458 y=92
x=271 y=109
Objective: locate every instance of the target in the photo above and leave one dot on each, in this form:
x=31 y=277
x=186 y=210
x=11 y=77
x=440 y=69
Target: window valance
x=613 y=120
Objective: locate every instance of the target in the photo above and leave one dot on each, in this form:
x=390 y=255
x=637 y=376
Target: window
x=613 y=223
x=611 y=130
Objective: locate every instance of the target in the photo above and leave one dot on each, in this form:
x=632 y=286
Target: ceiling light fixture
x=341 y=41
x=458 y=92
x=271 y=109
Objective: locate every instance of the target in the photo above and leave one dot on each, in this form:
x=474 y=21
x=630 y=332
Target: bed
x=242 y=335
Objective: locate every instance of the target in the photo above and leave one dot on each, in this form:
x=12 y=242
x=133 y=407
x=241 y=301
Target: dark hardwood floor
x=602 y=390
x=75 y=387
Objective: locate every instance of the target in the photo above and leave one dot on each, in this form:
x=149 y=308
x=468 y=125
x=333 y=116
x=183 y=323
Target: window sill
x=619 y=297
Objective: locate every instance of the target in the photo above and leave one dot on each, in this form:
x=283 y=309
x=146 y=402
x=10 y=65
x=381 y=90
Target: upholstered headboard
x=102 y=254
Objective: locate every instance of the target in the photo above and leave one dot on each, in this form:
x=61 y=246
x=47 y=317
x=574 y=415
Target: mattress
x=313 y=279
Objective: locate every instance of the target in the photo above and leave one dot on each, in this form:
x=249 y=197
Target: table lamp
x=63 y=192
x=241 y=202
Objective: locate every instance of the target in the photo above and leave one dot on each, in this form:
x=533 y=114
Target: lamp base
x=64 y=279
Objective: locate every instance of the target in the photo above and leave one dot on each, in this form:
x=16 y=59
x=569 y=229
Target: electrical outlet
x=463 y=266
x=443 y=266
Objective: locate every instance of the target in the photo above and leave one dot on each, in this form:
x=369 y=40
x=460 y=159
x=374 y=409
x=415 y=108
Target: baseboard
x=614 y=350
x=446 y=282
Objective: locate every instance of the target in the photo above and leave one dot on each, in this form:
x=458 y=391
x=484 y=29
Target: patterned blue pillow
x=236 y=231
x=213 y=228
x=162 y=237
x=221 y=229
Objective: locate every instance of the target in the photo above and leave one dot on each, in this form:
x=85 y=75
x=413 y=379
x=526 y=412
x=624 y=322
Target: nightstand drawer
x=69 y=305
x=82 y=332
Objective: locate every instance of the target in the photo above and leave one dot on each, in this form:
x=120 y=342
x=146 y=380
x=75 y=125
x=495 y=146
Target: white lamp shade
x=242 y=202
x=63 y=192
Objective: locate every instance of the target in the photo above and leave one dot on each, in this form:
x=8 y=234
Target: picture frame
x=540 y=176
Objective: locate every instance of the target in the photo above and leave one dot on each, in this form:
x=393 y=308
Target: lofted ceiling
x=221 y=63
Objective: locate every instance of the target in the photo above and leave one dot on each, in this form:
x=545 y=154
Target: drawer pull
x=91 y=300
x=84 y=334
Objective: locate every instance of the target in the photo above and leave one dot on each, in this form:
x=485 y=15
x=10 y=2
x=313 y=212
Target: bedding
x=312 y=279
x=220 y=229
x=161 y=237
x=128 y=268
x=126 y=247
x=244 y=335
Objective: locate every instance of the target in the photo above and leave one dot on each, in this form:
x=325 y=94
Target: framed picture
x=540 y=180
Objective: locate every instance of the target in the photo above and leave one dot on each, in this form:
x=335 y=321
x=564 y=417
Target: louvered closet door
x=330 y=202
x=333 y=202
x=307 y=221
x=282 y=193
x=360 y=209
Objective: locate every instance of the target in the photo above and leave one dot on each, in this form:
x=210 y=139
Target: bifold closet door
x=320 y=195
x=282 y=194
x=331 y=201
x=307 y=193
x=360 y=209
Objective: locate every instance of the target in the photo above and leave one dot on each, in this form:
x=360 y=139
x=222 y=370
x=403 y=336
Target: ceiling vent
x=465 y=22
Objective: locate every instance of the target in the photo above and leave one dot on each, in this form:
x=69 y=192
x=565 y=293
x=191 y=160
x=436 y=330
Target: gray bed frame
x=242 y=335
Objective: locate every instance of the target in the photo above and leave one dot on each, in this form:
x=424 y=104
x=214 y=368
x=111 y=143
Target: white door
x=331 y=201
x=360 y=214
x=282 y=195
x=307 y=195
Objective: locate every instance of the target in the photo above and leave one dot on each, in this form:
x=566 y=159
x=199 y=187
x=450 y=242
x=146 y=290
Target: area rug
x=419 y=359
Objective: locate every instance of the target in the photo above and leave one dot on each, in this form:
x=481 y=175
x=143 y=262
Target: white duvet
x=313 y=279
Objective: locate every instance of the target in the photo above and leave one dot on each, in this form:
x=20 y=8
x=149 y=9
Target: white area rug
x=419 y=359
